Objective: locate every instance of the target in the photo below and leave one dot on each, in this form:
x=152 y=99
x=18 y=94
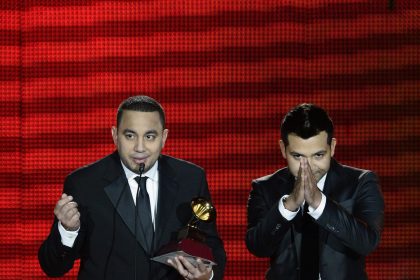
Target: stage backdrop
x=226 y=72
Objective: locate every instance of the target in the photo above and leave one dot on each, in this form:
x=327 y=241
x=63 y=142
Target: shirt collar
x=321 y=182
x=151 y=173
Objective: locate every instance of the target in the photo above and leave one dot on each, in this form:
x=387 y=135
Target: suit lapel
x=336 y=182
x=280 y=186
x=118 y=192
x=168 y=188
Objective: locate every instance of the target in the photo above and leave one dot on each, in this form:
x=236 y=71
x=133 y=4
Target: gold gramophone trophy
x=191 y=241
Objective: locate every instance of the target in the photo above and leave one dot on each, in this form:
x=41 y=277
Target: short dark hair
x=141 y=103
x=306 y=120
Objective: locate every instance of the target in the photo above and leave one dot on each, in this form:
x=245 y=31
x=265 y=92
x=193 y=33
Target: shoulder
x=179 y=165
x=280 y=174
x=269 y=188
x=276 y=179
x=352 y=172
x=98 y=167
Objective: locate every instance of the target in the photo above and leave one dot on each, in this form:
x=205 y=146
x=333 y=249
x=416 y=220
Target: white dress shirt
x=152 y=186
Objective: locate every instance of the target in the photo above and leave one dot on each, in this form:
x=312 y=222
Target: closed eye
x=296 y=156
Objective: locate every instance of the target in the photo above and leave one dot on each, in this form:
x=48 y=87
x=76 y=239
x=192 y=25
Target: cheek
x=293 y=166
x=155 y=147
x=124 y=146
x=321 y=165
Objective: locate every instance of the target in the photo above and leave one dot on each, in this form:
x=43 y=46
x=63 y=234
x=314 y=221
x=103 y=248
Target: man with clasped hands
x=314 y=219
x=95 y=216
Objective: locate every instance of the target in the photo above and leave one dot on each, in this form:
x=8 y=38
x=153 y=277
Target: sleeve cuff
x=67 y=237
x=316 y=213
x=287 y=214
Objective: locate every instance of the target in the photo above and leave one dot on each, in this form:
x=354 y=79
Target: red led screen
x=226 y=72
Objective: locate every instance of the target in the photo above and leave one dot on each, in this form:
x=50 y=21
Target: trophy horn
x=203 y=210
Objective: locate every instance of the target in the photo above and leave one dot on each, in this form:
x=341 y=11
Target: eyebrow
x=152 y=131
x=319 y=152
x=128 y=131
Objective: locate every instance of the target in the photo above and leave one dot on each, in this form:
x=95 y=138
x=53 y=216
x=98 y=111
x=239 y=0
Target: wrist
x=74 y=229
x=317 y=200
x=289 y=204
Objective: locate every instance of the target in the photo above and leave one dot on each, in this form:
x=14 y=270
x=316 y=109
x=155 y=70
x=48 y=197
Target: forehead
x=308 y=146
x=140 y=120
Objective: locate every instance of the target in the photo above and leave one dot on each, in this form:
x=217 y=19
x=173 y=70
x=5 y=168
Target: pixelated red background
x=226 y=72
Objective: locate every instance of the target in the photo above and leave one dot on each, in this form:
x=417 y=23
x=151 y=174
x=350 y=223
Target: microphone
x=136 y=213
x=141 y=168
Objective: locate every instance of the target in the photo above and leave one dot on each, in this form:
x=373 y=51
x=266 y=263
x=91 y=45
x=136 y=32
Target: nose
x=139 y=145
x=311 y=163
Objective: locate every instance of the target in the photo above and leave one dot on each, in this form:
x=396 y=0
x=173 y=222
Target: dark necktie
x=310 y=248
x=144 y=213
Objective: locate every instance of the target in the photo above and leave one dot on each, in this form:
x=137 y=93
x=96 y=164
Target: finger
x=73 y=223
x=71 y=214
x=62 y=202
x=69 y=206
x=202 y=267
x=310 y=173
x=308 y=183
x=304 y=169
x=304 y=166
x=311 y=181
x=188 y=265
x=64 y=199
x=300 y=168
x=171 y=263
x=298 y=180
x=66 y=212
x=178 y=266
x=75 y=219
x=304 y=176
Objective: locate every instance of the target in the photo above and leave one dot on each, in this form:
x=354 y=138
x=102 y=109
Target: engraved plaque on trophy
x=191 y=240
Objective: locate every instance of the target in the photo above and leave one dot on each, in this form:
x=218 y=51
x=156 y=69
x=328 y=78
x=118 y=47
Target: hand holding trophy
x=191 y=240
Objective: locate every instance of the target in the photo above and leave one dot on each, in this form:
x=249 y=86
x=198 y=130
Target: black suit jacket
x=349 y=228
x=106 y=243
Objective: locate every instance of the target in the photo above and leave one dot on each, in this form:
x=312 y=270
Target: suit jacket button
x=330 y=227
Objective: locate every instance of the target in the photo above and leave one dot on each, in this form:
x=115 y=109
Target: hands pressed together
x=305 y=189
x=187 y=270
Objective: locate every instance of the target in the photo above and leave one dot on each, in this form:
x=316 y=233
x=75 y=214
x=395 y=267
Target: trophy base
x=189 y=249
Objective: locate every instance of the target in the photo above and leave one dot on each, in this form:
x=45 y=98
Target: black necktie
x=144 y=213
x=310 y=248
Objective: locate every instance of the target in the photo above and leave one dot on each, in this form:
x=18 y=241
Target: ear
x=282 y=148
x=164 y=136
x=333 y=143
x=114 y=133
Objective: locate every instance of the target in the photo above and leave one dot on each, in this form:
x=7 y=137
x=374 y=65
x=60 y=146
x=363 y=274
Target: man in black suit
x=95 y=216
x=316 y=218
